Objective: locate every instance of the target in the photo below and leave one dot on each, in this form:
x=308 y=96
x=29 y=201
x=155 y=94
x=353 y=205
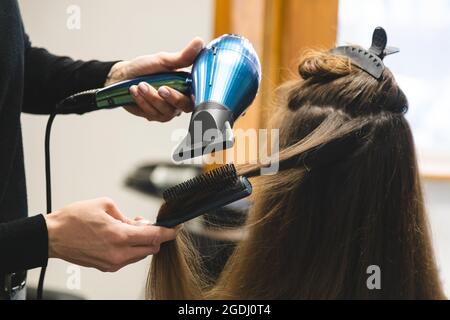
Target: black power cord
x=75 y=104
x=48 y=191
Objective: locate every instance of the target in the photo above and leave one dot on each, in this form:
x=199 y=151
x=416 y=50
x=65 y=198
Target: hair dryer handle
x=118 y=94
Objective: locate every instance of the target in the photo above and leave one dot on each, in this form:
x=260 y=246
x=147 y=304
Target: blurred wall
x=437 y=202
x=92 y=154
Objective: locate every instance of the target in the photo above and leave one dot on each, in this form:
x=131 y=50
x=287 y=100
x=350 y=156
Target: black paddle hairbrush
x=208 y=191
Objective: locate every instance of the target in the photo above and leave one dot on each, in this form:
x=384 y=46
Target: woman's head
x=352 y=202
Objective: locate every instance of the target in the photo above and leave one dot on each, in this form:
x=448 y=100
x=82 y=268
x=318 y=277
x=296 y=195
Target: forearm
x=50 y=78
x=23 y=244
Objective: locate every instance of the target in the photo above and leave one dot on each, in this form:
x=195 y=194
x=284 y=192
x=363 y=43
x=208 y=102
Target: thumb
x=183 y=58
x=111 y=209
x=148 y=235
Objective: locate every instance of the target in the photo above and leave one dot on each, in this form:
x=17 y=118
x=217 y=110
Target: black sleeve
x=50 y=78
x=30 y=249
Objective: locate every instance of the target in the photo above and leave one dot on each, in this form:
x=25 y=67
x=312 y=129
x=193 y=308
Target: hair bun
x=323 y=65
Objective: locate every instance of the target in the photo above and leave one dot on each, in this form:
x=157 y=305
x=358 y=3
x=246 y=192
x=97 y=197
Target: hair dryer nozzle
x=209 y=131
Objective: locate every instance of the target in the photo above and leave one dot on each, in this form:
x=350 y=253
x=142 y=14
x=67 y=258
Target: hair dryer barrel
x=225 y=80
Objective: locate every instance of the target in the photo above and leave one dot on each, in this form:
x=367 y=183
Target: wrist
x=53 y=225
x=117 y=73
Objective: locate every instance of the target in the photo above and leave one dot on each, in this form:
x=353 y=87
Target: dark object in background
x=154 y=179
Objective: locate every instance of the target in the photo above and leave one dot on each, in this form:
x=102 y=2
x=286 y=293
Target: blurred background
x=93 y=154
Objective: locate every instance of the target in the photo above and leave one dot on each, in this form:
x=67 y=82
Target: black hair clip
x=370 y=60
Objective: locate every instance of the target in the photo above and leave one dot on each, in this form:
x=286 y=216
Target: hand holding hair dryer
x=224 y=81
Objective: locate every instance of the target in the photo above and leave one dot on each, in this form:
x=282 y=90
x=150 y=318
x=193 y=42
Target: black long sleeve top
x=31 y=80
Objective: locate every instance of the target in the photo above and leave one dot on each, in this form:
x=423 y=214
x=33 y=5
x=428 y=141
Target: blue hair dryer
x=224 y=80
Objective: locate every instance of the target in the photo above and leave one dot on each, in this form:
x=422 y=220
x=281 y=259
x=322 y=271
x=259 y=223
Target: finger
x=183 y=58
x=176 y=99
x=148 y=111
x=153 y=99
x=148 y=235
x=139 y=218
x=136 y=110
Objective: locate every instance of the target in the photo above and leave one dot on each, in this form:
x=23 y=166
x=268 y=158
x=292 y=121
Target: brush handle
x=118 y=94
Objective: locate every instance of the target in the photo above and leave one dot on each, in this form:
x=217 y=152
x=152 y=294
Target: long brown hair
x=314 y=229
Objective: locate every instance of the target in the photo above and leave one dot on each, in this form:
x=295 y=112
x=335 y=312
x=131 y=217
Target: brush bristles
x=216 y=179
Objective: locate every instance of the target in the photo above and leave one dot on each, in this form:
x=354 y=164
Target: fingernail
x=134 y=91
x=143 y=87
x=199 y=45
x=163 y=92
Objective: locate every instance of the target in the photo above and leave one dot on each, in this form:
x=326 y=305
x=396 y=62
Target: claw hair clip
x=370 y=60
